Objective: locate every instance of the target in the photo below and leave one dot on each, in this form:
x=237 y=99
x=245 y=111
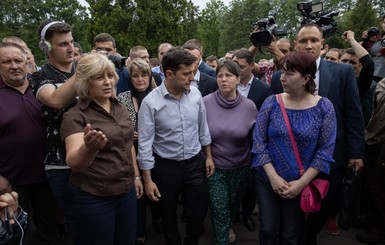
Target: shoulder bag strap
x=293 y=143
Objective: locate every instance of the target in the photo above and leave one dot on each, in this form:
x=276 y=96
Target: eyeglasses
x=347 y=61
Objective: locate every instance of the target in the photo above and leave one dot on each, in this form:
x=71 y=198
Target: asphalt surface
x=246 y=237
x=243 y=236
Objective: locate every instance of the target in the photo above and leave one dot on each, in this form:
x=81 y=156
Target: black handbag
x=350 y=198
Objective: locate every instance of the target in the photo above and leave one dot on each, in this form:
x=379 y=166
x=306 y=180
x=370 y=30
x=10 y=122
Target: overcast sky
x=200 y=3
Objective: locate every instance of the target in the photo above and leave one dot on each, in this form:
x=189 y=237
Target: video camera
x=118 y=61
x=313 y=13
x=373 y=32
x=266 y=28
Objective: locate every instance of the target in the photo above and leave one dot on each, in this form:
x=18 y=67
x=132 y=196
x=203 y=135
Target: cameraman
x=363 y=67
x=105 y=43
x=278 y=49
x=363 y=64
x=373 y=42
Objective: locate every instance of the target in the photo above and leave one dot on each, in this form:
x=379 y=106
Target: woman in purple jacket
x=230 y=117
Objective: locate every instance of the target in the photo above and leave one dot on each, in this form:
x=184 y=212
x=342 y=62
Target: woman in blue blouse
x=313 y=123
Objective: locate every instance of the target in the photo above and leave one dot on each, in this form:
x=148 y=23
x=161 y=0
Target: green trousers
x=226 y=188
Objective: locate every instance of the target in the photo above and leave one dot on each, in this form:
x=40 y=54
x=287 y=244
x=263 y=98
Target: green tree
x=362 y=17
x=236 y=23
x=288 y=16
x=342 y=6
x=379 y=6
x=143 y=22
x=25 y=21
x=208 y=28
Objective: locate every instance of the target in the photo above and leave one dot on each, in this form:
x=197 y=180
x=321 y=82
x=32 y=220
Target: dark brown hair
x=231 y=66
x=103 y=37
x=176 y=57
x=303 y=63
x=55 y=28
x=244 y=54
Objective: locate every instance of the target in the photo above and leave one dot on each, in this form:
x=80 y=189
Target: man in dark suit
x=204 y=82
x=104 y=43
x=203 y=67
x=250 y=86
x=336 y=82
x=207 y=84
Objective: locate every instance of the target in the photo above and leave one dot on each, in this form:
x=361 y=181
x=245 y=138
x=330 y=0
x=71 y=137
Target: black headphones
x=44 y=45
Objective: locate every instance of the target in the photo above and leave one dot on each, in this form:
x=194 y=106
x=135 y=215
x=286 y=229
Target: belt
x=186 y=161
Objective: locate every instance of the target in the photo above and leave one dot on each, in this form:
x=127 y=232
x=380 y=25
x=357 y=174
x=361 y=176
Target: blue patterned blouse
x=314 y=131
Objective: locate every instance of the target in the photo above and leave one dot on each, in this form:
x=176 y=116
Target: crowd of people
x=89 y=141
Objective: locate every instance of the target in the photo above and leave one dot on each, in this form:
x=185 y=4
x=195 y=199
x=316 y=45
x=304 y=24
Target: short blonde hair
x=139 y=65
x=88 y=67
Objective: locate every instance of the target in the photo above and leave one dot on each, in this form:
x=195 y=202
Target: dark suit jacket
x=207 y=84
x=339 y=85
x=205 y=68
x=259 y=91
x=157 y=77
x=124 y=82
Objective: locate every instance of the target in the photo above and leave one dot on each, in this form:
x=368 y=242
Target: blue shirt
x=159 y=71
x=173 y=129
x=314 y=130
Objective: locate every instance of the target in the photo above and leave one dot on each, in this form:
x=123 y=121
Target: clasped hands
x=286 y=189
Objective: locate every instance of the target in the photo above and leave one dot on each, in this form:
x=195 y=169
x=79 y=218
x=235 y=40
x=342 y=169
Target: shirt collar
x=165 y=93
x=318 y=61
x=197 y=76
x=251 y=80
x=248 y=83
x=163 y=90
x=2 y=84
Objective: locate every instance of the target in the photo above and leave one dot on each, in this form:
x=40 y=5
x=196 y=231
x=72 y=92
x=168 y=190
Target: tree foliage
x=208 y=26
x=143 y=22
x=22 y=18
x=379 y=6
x=355 y=21
x=150 y=22
x=236 y=23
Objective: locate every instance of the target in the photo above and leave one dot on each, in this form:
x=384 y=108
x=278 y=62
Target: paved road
x=246 y=237
x=243 y=236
